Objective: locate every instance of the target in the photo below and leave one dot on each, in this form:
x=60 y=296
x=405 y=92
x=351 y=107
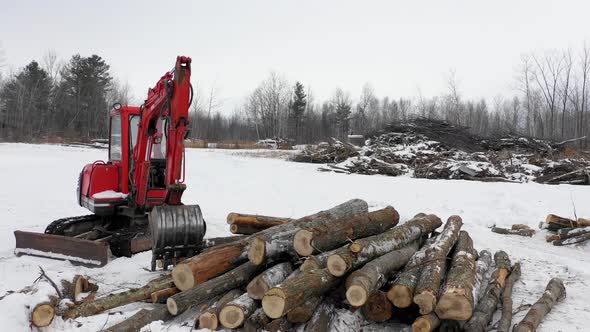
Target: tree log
x=367 y=280
x=401 y=292
x=561 y=222
x=316 y=262
x=304 y=312
x=554 y=292
x=257 y=321
x=573 y=237
x=457 y=301
x=218 y=241
x=43 y=313
x=255 y=219
x=277 y=241
x=487 y=305
x=88 y=308
x=378 y=308
x=268 y=279
x=345 y=321
x=235 y=278
x=209 y=318
x=361 y=251
x=77 y=286
x=235 y=312
x=451 y=326
x=160 y=296
x=142 y=318
x=519 y=226
x=483 y=264
x=320 y=321
x=506 y=320
x=209 y=264
x=426 y=323
x=293 y=292
x=434 y=265
x=521 y=232
x=278 y=325
x=311 y=240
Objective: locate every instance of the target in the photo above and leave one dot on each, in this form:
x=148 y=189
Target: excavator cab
x=135 y=196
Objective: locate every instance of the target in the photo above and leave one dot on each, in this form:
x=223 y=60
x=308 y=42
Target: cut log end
x=400 y=296
x=208 y=320
x=257 y=288
x=357 y=295
x=337 y=266
x=355 y=247
x=426 y=301
x=231 y=316
x=273 y=305
x=172 y=306
x=43 y=315
x=257 y=252
x=183 y=278
x=454 y=306
x=302 y=242
x=427 y=323
x=309 y=264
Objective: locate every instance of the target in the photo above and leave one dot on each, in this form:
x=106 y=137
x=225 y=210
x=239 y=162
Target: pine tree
x=297 y=108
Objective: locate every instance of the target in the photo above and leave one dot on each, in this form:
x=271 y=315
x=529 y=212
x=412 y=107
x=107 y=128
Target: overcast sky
x=400 y=47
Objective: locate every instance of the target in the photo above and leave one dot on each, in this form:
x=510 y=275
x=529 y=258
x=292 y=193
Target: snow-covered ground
x=38 y=185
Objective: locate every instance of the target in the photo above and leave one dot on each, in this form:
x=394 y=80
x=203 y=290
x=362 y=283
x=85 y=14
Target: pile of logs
x=331 y=270
x=565 y=231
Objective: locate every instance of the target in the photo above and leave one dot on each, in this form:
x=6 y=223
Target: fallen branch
x=521 y=232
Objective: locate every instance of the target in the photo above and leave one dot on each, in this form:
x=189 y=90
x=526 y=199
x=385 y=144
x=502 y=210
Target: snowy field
x=38 y=185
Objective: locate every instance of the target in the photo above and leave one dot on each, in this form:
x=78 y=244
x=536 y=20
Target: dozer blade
x=84 y=252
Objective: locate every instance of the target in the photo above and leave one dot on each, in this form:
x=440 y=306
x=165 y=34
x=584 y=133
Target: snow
x=39 y=185
x=109 y=194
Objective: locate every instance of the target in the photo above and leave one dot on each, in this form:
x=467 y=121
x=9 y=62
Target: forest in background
x=55 y=99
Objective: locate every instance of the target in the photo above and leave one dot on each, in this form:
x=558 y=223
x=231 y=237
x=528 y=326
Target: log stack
x=329 y=271
x=566 y=231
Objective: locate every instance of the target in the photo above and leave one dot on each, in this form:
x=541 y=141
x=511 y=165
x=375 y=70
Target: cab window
x=115 y=139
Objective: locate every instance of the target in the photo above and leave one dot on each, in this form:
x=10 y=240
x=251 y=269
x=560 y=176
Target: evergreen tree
x=297 y=108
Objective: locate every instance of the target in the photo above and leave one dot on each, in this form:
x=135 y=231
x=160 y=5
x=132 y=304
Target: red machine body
x=146 y=149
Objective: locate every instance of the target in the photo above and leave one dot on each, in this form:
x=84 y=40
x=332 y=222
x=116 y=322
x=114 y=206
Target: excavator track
x=59 y=226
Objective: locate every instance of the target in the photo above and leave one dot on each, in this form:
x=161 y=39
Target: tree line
x=72 y=99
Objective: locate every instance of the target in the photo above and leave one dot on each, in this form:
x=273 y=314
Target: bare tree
x=52 y=65
x=547 y=73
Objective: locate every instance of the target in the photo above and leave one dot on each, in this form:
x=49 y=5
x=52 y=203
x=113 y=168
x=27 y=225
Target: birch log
x=554 y=292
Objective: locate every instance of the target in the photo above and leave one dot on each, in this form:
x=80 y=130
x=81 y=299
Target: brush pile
x=435 y=149
x=335 y=270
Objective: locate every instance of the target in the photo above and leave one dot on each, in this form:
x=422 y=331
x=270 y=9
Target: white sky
x=400 y=47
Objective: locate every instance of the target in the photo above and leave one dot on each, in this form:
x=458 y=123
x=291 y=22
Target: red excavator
x=135 y=196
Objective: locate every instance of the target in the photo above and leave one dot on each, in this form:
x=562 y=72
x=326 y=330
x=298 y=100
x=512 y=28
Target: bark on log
x=316 y=262
x=426 y=323
x=296 y=290
x=457 y=300
x=268 y=279
x=483 y=264
x=487 y=305
x=235 y=278
x=573 y=239
x=142 y=318
x=562 y=222
x=255 y=219
x=43 y=313
x=304 y=312
x=278 y=325
x=345 y=321
x=451 y=326
x=554 y=292
x=88 y=308
x=235 y=312
x=361 y=251
x=162 y=295
x=311 y=240
x=435 y=263
x=521 y=232
x=277 y=241
x=218 y=241
x=257 y=321
x=209 y=264
x=320 y=321
x=506 y=320
x=370 y=278
x=77 y=286
x=378 y=308
x=401 y=292
x=519 y=226
x=209 y=318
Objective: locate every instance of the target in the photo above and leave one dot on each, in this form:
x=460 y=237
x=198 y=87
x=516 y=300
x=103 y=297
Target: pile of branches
x=337 y=269
x=565 y=231
x=435 y=149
